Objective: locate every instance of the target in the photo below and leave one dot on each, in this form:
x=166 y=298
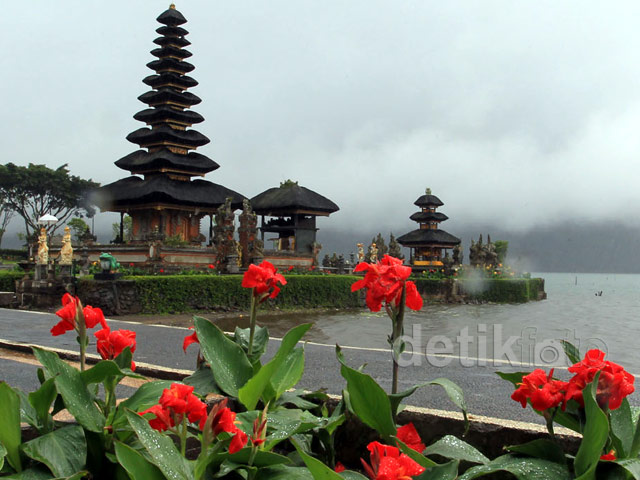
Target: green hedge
x=173 y=294
x=502 y=290
x=13 y=254
x=8 y=280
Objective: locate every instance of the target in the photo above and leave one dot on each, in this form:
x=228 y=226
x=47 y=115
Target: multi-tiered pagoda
x=165 y=201
x=428 y=241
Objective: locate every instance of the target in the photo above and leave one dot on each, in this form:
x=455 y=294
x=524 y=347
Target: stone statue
x=373 y=253
x=490 y=254
x=247 y=235
x=447 y=263
x=360 y=252
x=315 y=250
x=66 y=251
x=223 y=236
x=457 y=255
x=43 y=248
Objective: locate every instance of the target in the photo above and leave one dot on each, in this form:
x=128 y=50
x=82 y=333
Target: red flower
x=614 y=383
x=131 y=264
x=224 y=420
x=408 y=435
x=174 y=404
x=290 y=268
x=238 y=441
x=72 y=312
x=211 y=267
x=387 y=463
x=189 y=339
x=543 y=391
x=611 y=456
x=385 y=281
x=111 y=344
x=339 y=467
x=263 y=279
x=162 y=270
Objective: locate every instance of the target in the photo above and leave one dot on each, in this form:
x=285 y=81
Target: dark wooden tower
x=428 y=241
x=161 y=196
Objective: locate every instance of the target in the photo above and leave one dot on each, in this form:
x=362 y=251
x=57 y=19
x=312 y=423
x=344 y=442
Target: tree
x=36 y=190
x=501 y=247
x=394 y=247
x=79 y=228
x=6 y=214
x=127 y=227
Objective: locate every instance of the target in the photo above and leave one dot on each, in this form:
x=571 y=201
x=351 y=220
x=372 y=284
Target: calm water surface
x=526 y=332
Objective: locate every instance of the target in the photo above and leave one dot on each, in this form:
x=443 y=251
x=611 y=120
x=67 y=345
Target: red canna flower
x=111 y=344
x=339 y=467
x=72 y=312
x=189 y=339
x=387 y=463
x=211 y=266
x=238 y=441
x=614 y=383
x=222 y=419
x=385 y=281
x=176 y=402
x=264 y=280
x=611 y=456
x=543 y=391
x=290 y=268
x=408 y=435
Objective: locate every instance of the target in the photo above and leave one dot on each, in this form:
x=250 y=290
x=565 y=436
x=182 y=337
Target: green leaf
x=296 y=399
x=514 y=377
x=146 y=396
x=138 y=467
x=367 y=399
x=77 y=398
x=284 y=472
x=622 y=429
x=570 y=350
x=31 y=474
x=10 y=434
x=631 y=465
x=596 y=433
x=396 y=398
x=229 y=364
x=64 y=450
x=455 y=394
x=260 y=340
x=103 y=370
x=202 y=381
x=28 y=414
x=3 y=453
x=318 y=469
x=445 y=471
x=160 y=449
x=540 y=448
x=41 y=401
x=523 y=468
x=289 y=373
x=251 y=392
x=414 y=455
x=456 y=449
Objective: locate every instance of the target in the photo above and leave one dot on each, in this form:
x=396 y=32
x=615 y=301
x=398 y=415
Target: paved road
x=485 y=393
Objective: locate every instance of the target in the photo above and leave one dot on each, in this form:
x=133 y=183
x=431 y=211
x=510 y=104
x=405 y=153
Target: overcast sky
x=514 y=113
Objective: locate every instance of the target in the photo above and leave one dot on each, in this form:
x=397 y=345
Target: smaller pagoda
x=428 y=242
x=294 y=210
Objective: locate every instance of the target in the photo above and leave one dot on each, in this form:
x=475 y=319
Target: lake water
x=526 y=333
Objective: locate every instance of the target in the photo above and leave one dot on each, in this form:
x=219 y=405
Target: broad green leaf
x=202 y=381
x=635 y=445
x=318 y=469
x=135 y=464
x=31 y=474
x=3 y=453
x=296 y=399
x=454 y=392
x=28 y=414
x=596 y=433
x=396 y=398
x=445 y=471
x=289 y=373
x=523 y=468
x=72 y=389
x=261 y=459
x=10 y=434
x=160 y=449
x=351 y=475
x=284 y=472
x=229 y=364
x=622 y=429
x=414 y=455
x=124 y=361
x=540 y=448
x=571 y=351
x=103 y=370
x=260 y=340
x=64 y=450
x=631 y=465
x=41 y=401
x=146 y=396
x=456 y=449
x=514 y=377
x=367 y=399
x=251 y=392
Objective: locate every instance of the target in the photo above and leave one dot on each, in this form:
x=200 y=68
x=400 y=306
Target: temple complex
x=293 y=210
x=428 y=241
x=160 y=195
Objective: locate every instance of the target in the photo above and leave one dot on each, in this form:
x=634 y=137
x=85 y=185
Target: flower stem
x=82 y=335
x=183 y=435
x=252 y=322
x=397 y=321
